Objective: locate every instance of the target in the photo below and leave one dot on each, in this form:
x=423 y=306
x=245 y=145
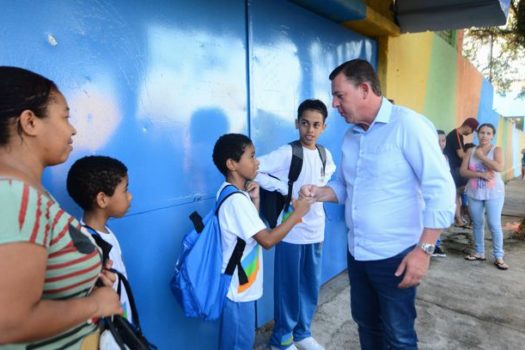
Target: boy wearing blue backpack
x=297 y=268
x=234 y=156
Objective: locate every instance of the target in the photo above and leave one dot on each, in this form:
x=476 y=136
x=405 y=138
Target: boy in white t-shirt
x=297 y=267
x=99 y=185
x=234 y=156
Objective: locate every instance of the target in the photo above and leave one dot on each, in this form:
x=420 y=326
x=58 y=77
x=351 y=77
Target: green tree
x=499 y=52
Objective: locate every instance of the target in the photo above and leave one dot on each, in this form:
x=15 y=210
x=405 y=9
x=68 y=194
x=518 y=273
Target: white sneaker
x=291 y=347
x=308 y=344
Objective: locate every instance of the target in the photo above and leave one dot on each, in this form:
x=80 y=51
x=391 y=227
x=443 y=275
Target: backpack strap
x=235 y=259
x=195 y=217
x=296 y=165
x=295 y=168
x=227 y=191
x=122 y=280
x=105 y=246
x=322 y=154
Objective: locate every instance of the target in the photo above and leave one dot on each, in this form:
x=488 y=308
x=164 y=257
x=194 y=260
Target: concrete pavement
x=460 y=304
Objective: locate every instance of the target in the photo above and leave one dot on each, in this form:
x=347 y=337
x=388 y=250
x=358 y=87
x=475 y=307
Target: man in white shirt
x=398 y=197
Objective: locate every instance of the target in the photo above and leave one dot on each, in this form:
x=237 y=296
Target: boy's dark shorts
x=459 y=180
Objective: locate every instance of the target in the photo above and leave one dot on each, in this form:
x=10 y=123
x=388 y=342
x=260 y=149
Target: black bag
x=127 y=335
x=273 y=202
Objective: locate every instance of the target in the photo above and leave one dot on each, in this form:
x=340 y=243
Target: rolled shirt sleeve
x=338 y=185
x=422 y=152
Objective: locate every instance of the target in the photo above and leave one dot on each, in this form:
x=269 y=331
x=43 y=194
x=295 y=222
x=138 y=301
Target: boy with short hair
x=297 y=267
x=234 y=156
x=99 y=185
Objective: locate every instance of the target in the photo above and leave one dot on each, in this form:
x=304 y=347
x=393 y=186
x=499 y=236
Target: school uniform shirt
x=238 y=217
x=277 y=163
x=115 y=254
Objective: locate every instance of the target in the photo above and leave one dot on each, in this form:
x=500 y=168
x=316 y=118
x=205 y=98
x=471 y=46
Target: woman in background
x=486 y=192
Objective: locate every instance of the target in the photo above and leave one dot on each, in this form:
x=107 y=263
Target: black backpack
x=127 y=335
x=273 y=202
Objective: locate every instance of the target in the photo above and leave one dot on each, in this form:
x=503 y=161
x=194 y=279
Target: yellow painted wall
x=408 y=61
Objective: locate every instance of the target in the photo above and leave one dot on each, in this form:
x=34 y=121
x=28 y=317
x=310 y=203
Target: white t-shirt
x=277 y=163
x=238 y=217
x=115 y=255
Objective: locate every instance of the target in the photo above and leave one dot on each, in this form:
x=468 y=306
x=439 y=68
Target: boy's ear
x=101 y=200
x=231 y=164
x=28 y=122
x=297 y=123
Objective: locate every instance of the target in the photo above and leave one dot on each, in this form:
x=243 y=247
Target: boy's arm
x=253 y=190
x=238 y=216
x=268 y=238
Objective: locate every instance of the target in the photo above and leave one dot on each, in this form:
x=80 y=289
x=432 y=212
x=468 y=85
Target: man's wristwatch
x=428 y=248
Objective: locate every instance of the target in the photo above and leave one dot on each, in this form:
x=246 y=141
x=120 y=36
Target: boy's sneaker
x=291 y=347
x=438 y=252
x=308 y=344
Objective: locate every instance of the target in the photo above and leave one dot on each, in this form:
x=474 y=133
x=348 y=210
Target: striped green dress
x=73 y=264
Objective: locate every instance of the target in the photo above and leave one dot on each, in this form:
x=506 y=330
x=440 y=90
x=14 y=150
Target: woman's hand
x=107 y=302
x=106 y=277
x=488 y=175
x=480 y=152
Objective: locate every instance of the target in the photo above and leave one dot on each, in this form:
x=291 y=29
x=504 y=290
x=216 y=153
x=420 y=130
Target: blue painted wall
x=290 y=60
x=486 y=113
x=154 y=85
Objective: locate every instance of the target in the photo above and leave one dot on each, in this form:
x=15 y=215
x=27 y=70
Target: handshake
x=307 y=196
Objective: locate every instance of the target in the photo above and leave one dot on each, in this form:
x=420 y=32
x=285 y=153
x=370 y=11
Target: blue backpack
x=197 y=283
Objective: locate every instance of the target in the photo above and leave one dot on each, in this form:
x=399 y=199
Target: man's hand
x=308 y=192
x=314 y=193
x=414 y=266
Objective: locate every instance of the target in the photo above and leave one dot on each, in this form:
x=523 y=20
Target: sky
x=509 y=105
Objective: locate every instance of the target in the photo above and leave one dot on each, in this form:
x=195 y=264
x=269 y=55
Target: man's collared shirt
x=394 y=181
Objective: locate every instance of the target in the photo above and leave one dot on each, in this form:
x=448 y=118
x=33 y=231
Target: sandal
x=474 y=257
x=500 y=264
